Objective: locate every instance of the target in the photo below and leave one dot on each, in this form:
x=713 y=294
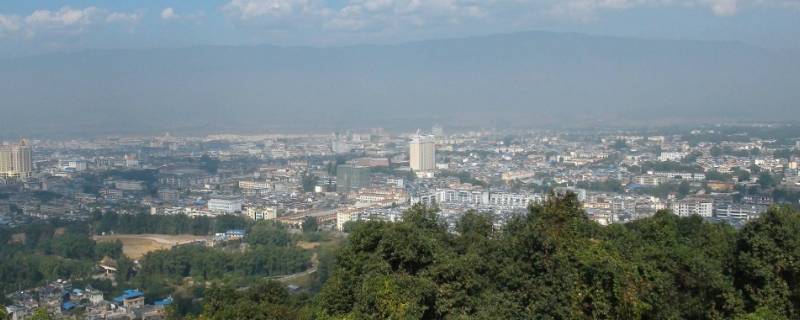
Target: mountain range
x=514 y=80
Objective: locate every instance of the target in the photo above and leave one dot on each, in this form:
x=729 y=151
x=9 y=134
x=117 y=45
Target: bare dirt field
x=307 y=245
x=136 y=246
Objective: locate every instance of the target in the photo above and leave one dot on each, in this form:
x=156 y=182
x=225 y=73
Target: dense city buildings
x=331 y=181
x=618 y=175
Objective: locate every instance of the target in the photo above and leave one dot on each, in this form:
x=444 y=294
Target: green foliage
x=715 y=151
x=209 y=164
x=46 y=196
x=768 y=262
x=663 y=190
x=554 y=263
x=310 y=225
x=692 y=157
x=619 y=145
x=203 y=263
x=742 y=175
x=141 y=223
x=73 y=246
x=263 y=300
x=108 y=249
x=610 y=185
x=551 y=263
x=766 y=180
x=46 y=254
x=309 y=182
x=268 y=233
x=716 y=175
x=785 y=153
x=463 y=177
x=41 y=314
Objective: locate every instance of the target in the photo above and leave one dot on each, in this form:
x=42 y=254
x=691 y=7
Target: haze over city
x=98 y=67
x=399 y=159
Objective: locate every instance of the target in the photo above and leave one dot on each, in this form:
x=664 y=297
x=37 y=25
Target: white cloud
x=361 y=14
x=169 y=14
x=376 y=15
x=123 y=17
x=9 y=24
x=249 y=9
x=66 y=20
x=723 y=7
x=65 y=17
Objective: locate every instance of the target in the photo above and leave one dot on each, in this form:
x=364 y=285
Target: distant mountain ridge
x=529 y=78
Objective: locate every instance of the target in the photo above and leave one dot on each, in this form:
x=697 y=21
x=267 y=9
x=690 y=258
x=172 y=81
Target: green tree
x=310 y=225
x=768 y=262
x=715 y=151
x=41 y=314
x=766 y=180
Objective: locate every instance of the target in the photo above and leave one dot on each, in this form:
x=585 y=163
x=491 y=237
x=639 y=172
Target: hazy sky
x=32 y=27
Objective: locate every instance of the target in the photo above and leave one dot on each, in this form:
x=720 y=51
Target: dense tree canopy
x=554 y=263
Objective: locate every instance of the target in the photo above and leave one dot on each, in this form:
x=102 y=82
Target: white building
x=579 y=193
x=130 y=161
x=225 y=204
x=422 y=153
x=129 y=185
x=650 y=180
x=262 y=213
x=15 y=160
x=672 y=156
x=739 y=211
x=345 y=216
x=700 y=206
x=77 y=165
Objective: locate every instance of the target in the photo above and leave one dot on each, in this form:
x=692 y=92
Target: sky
x=48 y=26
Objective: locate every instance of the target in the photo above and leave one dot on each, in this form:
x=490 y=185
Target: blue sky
x=35 y=27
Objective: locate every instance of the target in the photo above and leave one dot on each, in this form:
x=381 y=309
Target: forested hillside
x=552 y=263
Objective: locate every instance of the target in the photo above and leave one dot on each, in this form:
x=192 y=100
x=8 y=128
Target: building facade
x=225 y=204
x=16 y=160
x=422 y=154
x=351 y=177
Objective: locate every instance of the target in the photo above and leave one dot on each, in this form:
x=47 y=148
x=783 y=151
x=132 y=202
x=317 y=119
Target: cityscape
x=400 y=160
x=728 y=173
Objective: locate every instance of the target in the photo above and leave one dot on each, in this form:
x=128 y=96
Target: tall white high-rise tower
x=15 y=160
x=422 y=153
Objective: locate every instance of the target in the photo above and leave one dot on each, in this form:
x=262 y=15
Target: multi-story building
x=739 y=211
x=422 y=154
x=579 y=193
x=672 y=156
x=129 y=185
x=221 y=204
x=650 y=180
x=168 y=195
x=703 y=207
x=351 y=177
x=258 y=213
x=15 y=160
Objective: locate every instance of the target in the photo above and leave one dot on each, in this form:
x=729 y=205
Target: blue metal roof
x=128 y=294
x=164 y=302
x=68 y=305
